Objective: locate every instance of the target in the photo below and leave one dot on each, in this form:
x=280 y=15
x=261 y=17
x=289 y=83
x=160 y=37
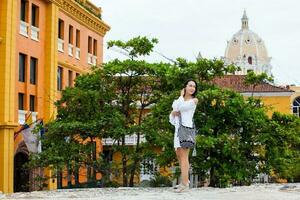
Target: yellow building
x=277 y=99
x=44 y=46
x=295 y=100
x=248 y=51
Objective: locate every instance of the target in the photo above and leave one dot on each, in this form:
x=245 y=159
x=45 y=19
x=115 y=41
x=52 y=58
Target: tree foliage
x=133 y=97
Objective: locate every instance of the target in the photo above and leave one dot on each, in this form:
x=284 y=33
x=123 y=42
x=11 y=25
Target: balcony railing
x=35 y=33
x=129 y=140
x=22 y=116
x=24 y=28
x=70 y=50
x=90 y=59
x=94 y=60
x=77 y=53
x=60 y=45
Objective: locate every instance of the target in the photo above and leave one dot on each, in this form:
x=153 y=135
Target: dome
x=246 y=49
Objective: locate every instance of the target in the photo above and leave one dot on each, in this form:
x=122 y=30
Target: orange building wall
x=32 y=48
x=84 y=33
x=71 y=62
x=37 y=49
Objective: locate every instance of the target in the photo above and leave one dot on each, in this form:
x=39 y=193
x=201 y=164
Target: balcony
x=90 y=59
x=94 y=60
x=70 y=50
x=24 y=28
x=77 y=53
x=60 y=45
x=22 y=116
x=35 y=33
x=129 y=140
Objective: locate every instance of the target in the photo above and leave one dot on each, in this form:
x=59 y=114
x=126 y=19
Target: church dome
x=246 y=48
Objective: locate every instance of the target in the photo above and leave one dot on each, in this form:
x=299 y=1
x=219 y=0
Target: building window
x=23 y=11
x=22 y=67
x=70 y=77
x=296 y=107
x=60 y=29
x=77 y=49
x=70 y=34
x=90 y=43
x=95 y=48
x=59 y=78
x=33 y=70
x=32 y=103
x=250 y=60
x=78 y=38
x=34 y=15
x=21 y=101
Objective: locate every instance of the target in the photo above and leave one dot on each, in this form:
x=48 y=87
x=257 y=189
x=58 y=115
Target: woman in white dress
x=184 y=107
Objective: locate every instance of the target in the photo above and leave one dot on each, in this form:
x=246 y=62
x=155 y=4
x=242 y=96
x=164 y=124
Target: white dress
x=187 y=110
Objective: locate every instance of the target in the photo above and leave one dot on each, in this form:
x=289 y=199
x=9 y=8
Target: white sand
x=254 y=192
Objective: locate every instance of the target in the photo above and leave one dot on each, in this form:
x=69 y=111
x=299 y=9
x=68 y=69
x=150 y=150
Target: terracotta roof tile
x=237 y=83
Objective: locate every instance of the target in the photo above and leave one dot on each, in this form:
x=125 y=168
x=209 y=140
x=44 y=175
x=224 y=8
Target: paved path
x=254 y=192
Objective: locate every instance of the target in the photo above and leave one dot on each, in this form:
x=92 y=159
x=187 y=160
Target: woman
x=184 y=107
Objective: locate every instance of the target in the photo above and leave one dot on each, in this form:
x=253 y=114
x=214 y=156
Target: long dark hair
x=196 y=89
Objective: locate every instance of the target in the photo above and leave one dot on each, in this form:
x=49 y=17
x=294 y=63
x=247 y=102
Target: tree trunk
x=76 y=176
x=213 y=180
x=124 y=165
x=69 y=176
x=137 y=160
x=59 y=179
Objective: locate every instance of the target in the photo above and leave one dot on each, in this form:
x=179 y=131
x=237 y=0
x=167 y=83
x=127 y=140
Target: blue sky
x=186 y=27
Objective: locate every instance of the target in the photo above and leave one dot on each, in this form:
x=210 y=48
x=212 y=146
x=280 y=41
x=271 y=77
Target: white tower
x=247 y=50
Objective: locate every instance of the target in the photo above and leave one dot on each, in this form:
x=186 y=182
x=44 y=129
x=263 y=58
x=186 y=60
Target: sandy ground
x=254 y=192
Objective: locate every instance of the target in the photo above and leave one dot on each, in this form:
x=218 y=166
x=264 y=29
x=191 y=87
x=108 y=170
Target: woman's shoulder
x=195 y=100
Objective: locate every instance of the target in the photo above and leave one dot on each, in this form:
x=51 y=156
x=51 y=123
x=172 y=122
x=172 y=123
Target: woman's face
x=190 y=88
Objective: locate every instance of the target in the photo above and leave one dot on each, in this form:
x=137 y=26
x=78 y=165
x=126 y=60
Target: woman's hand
x=182 y=92
x=175 y=113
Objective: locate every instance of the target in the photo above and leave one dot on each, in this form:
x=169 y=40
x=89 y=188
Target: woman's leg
x=185 y=165
x=178 y=154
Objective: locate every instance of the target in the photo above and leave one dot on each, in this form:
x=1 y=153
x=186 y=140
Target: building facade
x=44 y=46
x=277 y=99
x=248 y=51
x=295 y=100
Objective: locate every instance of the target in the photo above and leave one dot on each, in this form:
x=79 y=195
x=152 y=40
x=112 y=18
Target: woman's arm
x=175 y=113
x=195 y=100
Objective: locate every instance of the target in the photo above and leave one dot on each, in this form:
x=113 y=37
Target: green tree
x=134 y=97
x=138 y=86
x=160 y=132
x=254 y=80
x=228 y=144
x=282 y=146
x=85 y=114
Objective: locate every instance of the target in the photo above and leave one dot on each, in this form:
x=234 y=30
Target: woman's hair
x=196 y=88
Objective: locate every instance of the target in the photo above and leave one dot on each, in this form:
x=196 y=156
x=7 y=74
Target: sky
x=185 y=28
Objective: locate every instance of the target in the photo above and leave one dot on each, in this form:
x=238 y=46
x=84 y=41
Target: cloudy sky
x=186 y=27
